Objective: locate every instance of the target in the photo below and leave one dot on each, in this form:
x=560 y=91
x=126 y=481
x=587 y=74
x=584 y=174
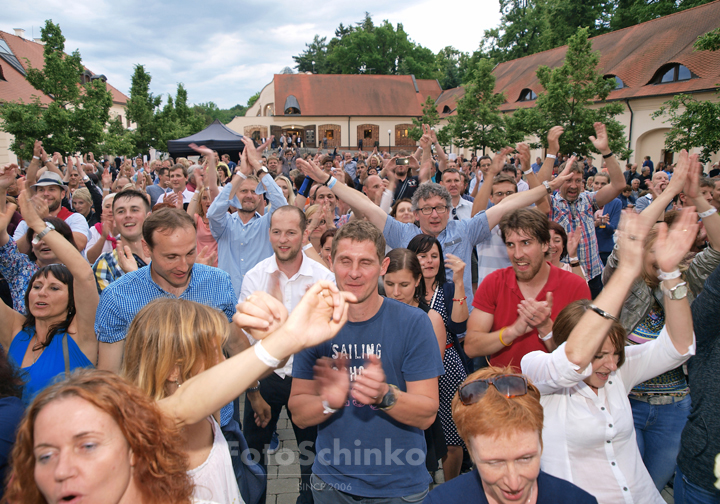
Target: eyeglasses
x=439 y=209
x=510 y=385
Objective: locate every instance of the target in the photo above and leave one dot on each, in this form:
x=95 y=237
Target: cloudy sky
x=226 y=51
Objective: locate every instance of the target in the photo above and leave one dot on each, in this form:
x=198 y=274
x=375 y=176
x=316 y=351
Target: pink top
x=205 y=238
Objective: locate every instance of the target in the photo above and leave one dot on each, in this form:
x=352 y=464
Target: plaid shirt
x=568 y=215
x=107 y=269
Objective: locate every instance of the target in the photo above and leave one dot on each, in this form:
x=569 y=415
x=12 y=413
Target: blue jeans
x=688 y=493
x=658 y=430
x=324 y=493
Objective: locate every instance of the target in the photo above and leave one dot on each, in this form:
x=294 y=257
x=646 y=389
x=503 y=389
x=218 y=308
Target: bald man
x=660 y=181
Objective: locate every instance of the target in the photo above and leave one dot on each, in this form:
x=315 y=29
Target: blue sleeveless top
x=49 y=365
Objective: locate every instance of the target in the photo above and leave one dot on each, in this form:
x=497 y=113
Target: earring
x=177 y=383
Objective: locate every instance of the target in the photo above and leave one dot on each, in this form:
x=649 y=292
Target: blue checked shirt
x=124 y=298
x=242 y=246
x=580 y=211
x=458 y=238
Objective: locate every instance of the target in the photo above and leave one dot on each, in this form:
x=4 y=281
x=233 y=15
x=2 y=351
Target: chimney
x=39 y=41
x=19 y=32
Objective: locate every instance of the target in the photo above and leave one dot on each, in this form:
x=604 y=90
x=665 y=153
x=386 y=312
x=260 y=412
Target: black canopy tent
x=217 y=136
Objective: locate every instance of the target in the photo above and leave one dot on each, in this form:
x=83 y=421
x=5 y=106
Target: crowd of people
x=545 y=332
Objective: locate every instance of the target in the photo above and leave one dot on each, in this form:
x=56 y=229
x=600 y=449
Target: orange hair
x=161 y=465
x=494 y=414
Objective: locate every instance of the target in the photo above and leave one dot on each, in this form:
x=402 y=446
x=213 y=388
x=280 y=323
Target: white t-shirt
x=187 y=196
x=76 y=221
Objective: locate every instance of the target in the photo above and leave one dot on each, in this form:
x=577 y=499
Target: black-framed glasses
x=440 y=209
x=509 y=385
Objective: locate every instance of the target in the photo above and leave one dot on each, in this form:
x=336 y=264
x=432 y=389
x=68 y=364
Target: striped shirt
x=580 y=212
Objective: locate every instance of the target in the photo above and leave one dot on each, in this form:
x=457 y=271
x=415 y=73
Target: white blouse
x=588 y=438
x=215 y=479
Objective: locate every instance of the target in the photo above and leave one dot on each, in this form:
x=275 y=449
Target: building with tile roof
x=650 y=62
x=341 y=109
x=14 y=50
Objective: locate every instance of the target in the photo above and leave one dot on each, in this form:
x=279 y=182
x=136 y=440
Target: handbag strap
x=66 y=355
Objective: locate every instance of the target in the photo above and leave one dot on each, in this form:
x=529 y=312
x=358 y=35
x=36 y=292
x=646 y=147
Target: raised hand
x=311 y=170
x=106 y=178
x=29 y=209
x=126 y=260
x=206 y=257
x=573 y=240
x=553 y=139
x=672 y=247
x=370 y=386
x=692 y=183
x=333 y=381
x=7 y=176
x=260 y=315
x=498 y=162
x=523 y=150
x=426 y=138
x=202 y=150
x=679 y=180
x=600 y=140
x=37 y=148
x=564 y=175
x=631 y=242
x=457 y=266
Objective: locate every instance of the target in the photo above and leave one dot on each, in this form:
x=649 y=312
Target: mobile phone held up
x=402 y=161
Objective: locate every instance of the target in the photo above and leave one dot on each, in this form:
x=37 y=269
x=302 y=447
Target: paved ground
x=284 y=468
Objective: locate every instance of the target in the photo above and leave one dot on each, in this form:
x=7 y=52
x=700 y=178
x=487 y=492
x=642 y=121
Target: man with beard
x=515 y=307
x=573 y=208
x=242 y=236
x=287 y=274
x=406 y=184
x=49 y=192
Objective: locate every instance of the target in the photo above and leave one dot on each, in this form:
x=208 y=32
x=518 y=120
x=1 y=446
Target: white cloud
x=226 y=51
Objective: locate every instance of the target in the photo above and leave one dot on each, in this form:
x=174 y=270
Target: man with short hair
x=349 y=165
x=230 y=164
x=288 y=161
x=178 y=176
x=389 y=352
x=537 y=164
x=515 y=307
x=130 y=208
x=484 y=164
x=273 y=165
x=373 y=188
x=406 y=184
x=573 y=208
x=648 y=162
x=287 y=274
x=242 y=236
x=635 y=187
x=607 y=219
x=161 y=185
x=453 y=181
x=170 y=241
x=660 y=181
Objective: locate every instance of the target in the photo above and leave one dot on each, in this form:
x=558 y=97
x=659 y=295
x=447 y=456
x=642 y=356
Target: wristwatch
x=262 y=171
x=547 y=186
x=254 y=389
x=48 y=227
x=676 y=293
x=389 y=399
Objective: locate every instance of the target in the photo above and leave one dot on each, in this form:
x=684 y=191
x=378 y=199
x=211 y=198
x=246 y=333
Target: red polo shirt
x=499 y=295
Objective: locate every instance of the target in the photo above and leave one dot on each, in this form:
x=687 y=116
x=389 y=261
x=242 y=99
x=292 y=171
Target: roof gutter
x=632 y=114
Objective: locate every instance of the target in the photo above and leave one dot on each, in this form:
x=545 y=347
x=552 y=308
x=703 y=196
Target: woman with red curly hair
x=96 y=437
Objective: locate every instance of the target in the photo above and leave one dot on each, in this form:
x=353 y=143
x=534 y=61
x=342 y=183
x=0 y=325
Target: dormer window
x=446 y=110
x=619 y=84
x=292 y=107
x=674 y=72
x=527 y=94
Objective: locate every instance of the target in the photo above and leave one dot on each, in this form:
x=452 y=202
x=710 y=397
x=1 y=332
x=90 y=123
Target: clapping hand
x=333 y=381
x=206 y=257
x=260 y=315
x=126 y=260
x=537 y=313
x=600 y=140
x=672 y=246
x=370 y=386
x=457 y=266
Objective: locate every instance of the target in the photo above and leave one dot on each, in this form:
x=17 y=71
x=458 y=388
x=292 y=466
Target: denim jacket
x=639 y=300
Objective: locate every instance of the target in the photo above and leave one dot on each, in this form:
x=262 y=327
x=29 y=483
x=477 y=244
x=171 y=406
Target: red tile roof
x=354 y=95
x=634 y=54
x=15 y=87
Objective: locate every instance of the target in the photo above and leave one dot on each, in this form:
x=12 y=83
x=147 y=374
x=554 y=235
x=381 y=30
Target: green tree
x=430 y=117
x=569 y=100
x=522 y=26
x=316 y=52
x=251 y=101
x=74 y=120
x=694 y=123
x=708 y=42
x=631 y=12
x=176 y=120
x=141 y=109
x=479 y=124
x=211 y=112
x=118 y=140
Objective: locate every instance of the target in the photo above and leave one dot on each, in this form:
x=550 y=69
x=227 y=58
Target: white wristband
x=327 y=410
x=528 y=172
x=35 y=157
x=547 y=336
x=662 y=275
x=552 y=156
x=265 y=356
x=707 y=213
x=331 y=182
x=573 y=259
x=241 y=174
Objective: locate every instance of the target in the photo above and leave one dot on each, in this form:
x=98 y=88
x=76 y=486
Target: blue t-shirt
x=361 y=449
x=468 y=487
x=11 y=412
x=605 y=234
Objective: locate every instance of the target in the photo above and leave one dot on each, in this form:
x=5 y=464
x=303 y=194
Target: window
x=674 y=72
x=527 y=95
x=292 y=107
x=329 y=134
x=446 y=110
x=367 y=134
x=7 y=54
x=619 y=84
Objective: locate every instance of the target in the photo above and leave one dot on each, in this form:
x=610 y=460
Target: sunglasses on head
x=509 y=385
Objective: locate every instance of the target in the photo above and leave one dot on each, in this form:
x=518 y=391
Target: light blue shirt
x=242 y=246
x=458 y=238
